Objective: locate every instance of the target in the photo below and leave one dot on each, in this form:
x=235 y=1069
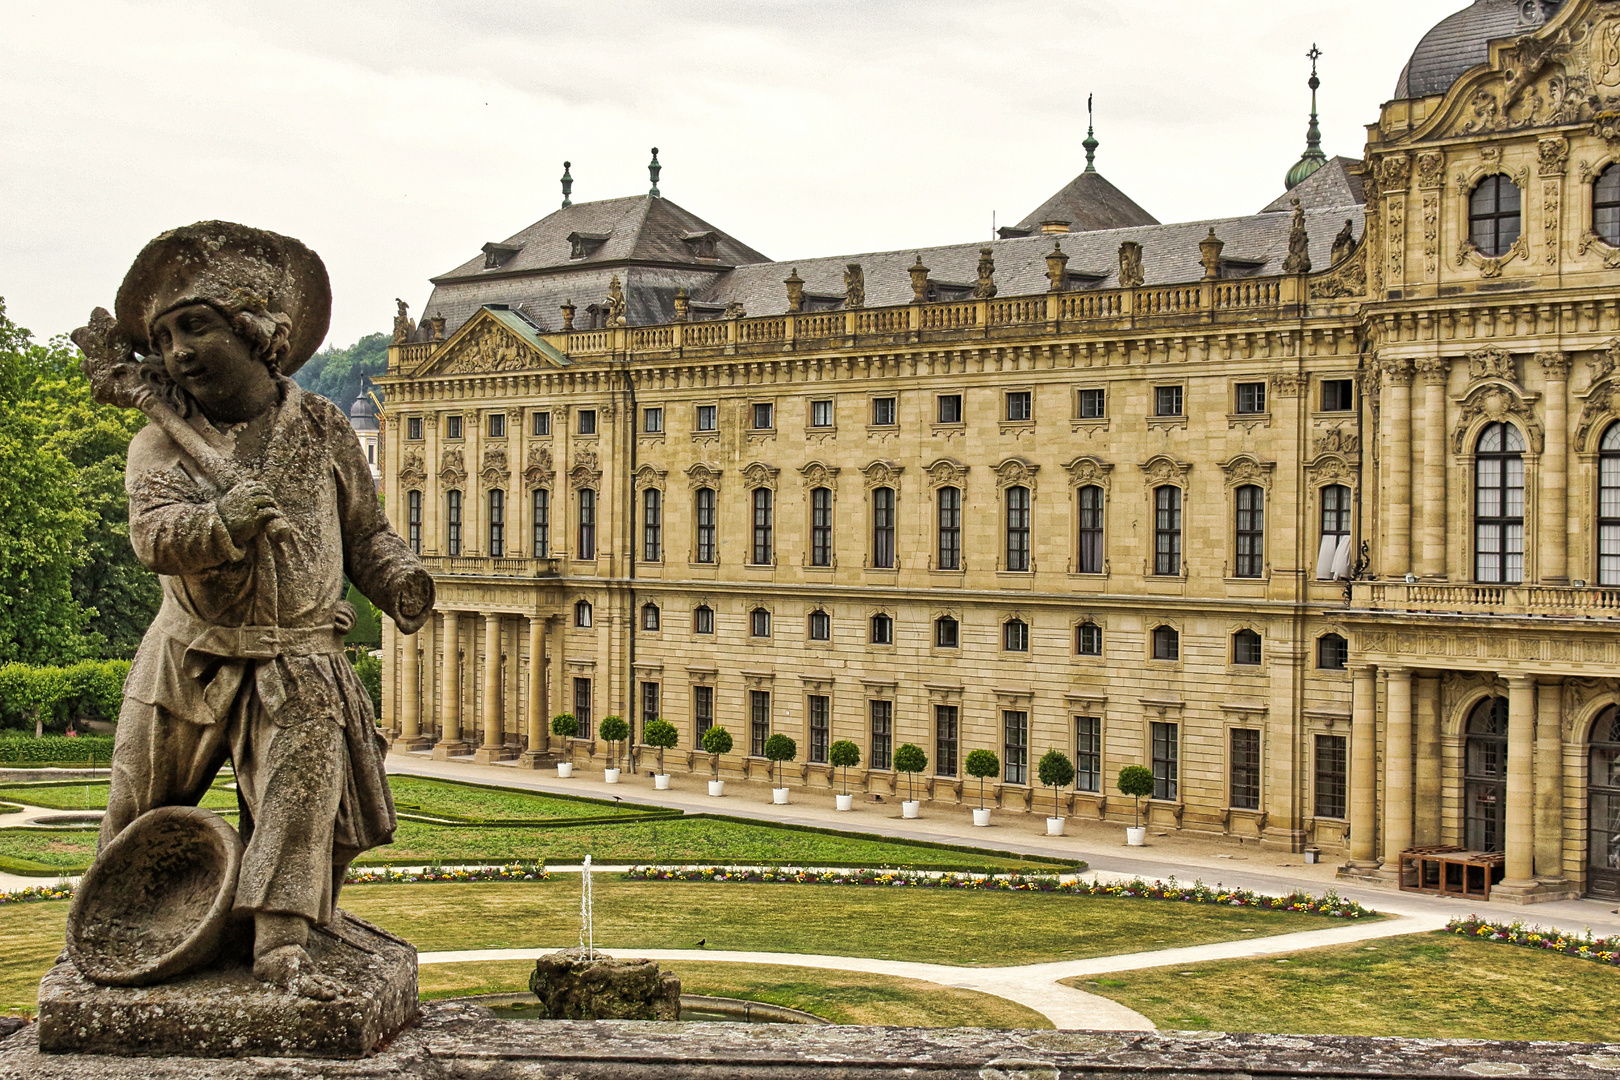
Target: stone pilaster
x=539 y=729
x=1551 y=542
x=1519 y=832
x=1432 y=530
x=1397 y=767
x=1395 y=425
x=493 y=746
x=410 y=695
x=1549 y=796
x=1363 y=763
x=1426 y=790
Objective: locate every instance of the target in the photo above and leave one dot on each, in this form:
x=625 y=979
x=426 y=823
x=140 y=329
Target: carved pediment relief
x=485 y=346
x=1348 y=278
x=946 y=472
x=1085 y=470
x=1495 y=401
x=1491 y=266
x=650 y=476
x=1016 y=471
x=412 y=472
x=452 y=467
x=758 y=474
x=1332 y=469
x=538 y=471
x=1336 y=440
x=1162 y=469
x=585 y=472
x=494 y=470
x=882 y=474
x=817 y=474
x=1492 y=362
x=703 y=476
x=1248 y=469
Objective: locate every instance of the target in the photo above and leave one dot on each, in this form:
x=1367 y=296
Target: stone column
x=1519 y=833
x=1397 y=767
x=450 y=744
x=1432 y=533
x=539 y=724
x=1549 y=779
x=410 y=696
x=1363 y=762
x=1395 y=426
x=1551 y=542
x=1426 y=762
x=490 y=713
x=562 y=694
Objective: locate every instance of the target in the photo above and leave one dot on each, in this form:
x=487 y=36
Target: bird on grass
x=703 y=943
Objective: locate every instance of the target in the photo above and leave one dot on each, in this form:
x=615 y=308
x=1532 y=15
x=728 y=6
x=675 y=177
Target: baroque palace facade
x=1314 y=512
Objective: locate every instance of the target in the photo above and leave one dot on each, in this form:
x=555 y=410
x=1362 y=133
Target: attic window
x=582 y=245
x=703 y=245
x=823 y=301
x=497 y=255
x=1084 y=279
x=948 y=291
x=1238 y=267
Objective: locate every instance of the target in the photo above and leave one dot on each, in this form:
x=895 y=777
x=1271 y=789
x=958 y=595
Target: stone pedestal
x=224 y=1012
x=403 y=745
x=575 y=985
x=489 y=755
x=537 y=759
x=445 y=750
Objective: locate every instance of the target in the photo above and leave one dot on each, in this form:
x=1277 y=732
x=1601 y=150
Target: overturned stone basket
x=156 y=903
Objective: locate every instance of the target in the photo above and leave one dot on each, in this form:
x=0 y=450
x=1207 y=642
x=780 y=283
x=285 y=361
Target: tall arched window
x=1334 y=553
x=497 y=523
x=651 y=617
x=1609 y=507
x=1167 y=530
x=582 y=613
x=1485 y=775
x=1018 y=528
x=1603 y=806
x=1493 y=215
x=1499 y=505
x=652 y=525
x=413 y=519
x=587 y=524
x=542 y=523
x=764 y=544
x=1015 y=635
x=1606 y=205
x=452 y=522
x=703 y=505
x=1090 y=556
x=1251 y=530
x=883 y=527
x=821 y=527
x=950 y=528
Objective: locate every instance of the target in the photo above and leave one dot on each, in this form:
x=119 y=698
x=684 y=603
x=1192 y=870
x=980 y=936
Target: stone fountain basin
x=693 y=1007
x=82 y=817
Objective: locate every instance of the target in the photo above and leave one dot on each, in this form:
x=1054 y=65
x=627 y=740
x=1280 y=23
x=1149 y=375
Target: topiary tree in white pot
x=983 y=764
x=662 y=735
x=780 y=748
x=613 y=731
x=716 y=741
x=1055 y=770
x=911 y=760
x=565 y=726
x=1137 y=782
x=844 y=755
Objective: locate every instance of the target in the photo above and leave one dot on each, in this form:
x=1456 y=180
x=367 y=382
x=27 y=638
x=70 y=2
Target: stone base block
x=410 y=746
x=227 y=1013
x=577 y=985
x=1364 y=874
x=488 y=755
x=1540 y=891
x=444 y=751
x=537 y=759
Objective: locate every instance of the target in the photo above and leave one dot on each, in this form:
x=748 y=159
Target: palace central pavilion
x=1314 y=512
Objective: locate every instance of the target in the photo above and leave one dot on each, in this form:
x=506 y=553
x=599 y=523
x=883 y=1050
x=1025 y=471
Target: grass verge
x=1435 y=985
x=92 y=795
x=843 y=997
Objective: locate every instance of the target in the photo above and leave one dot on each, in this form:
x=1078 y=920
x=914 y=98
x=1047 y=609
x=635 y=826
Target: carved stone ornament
x=758 y=474
x=1392 y=173
x=1491 y=266
x=584 y=472
x=1552 y=156
x=882 y=474
x=1396 y=372
x=1331 y=469
x=412 y=472
x=1591 y=240
x=1554 y=365
x=452 y=468
x=703 y=476
x=650 y=476
x=1431 y=169
x=1247 y=469
x=1161 y=469
x=494 y=470
x=1016 y=471
x=538 y=472
x=854 y=286
x=1346 y=279
x=1597 y=411
x=488 y=347
x=1493 y=401
x=946 y=472
x=817 y=474
x=404 y=325
x=1289 y=384
x=1130 y=264
x=615 y=302
x=1336 y=440
x=1492 y=362
x=1433 y=369
x=1088 y=471
x=1605 y=362
x=985 y=287
x=1298 y=260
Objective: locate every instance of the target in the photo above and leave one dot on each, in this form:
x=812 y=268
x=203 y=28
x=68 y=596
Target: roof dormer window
x=497 y=255
x=703 y=245
x=582 y=245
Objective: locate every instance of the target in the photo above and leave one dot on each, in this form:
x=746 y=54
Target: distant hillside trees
x=338 y=374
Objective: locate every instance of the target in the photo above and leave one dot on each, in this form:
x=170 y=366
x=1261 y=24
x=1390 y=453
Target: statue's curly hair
x=267 y=333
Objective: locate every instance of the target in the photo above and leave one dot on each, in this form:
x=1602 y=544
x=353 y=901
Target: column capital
x=1435 y=370
x=1518 y=681
x=1555 y=365
x=1396 y=670
x=1397 y=371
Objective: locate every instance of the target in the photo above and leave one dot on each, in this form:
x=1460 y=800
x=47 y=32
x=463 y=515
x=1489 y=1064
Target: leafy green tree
x=613 y=731
x=564 y=725
x=367 y=629
x=1137 y=782
x=983 y=764
x=716 y=741
x=663 y=735
x=1055 y=770
x=844 y=755
x=339 y=374
x=369 y=670
x=910 y=760
x=780 y=748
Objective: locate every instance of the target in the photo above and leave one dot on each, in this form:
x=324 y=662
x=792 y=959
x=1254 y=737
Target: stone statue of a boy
x=244 y=661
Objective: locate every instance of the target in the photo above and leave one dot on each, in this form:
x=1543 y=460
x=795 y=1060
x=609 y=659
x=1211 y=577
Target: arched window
x=1088 y=639
x=582 y=614
x=1251 y=530
x=1485 y=775
x=703 y=504
x=950 y=528
x=1333 y=557
x=1167 y=530
x=882 y=630
x=1245 y=647
x=497 y=523
x=652 y=525
x=1609 y=507
x=820 y=626
x=764 y=545
x=1603 y=806
x=821 y=527
x=947 y=633
x=883 y=527
x=1499 y=505
x=413 y=519
x=1018 y=528
x=703 y=619
x=1089 y=559
x=587 y=524
x=1606 y=205
x=650 y=617
x=452 y=523
x=1493 y=215
x=1332 y=652
x=759 y=623
x=542 y=522
x=1015 y=635
x=1166 y=643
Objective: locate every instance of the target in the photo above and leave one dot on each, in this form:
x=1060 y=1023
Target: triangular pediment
x=489 y=343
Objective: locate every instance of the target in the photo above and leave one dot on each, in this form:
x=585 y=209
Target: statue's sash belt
x=205 y=644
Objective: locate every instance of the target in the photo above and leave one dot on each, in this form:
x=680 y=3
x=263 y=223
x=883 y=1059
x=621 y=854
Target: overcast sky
x=396 y=138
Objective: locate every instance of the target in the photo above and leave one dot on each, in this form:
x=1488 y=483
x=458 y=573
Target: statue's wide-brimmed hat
x=234 y=268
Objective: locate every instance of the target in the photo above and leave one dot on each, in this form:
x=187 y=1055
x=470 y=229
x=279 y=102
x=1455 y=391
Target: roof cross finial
x=568 y=184
x=1090 y=142
x=653 y=169
x=1313 y=158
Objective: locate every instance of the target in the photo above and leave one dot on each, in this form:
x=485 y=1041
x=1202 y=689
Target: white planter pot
x=845 y=802
x=565 y=769
x=1136 y=835
x=660 y=781
x=1054 y=826
x=611 y=776
x=981 y=817
x=1310 y=856
x=717 y=788
x=779 y=796
x=910 y=807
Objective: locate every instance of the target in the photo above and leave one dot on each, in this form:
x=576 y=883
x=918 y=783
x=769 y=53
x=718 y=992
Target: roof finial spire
x=568 y=184
x=653 y=169
x=1313 y=158
x=1090 y=142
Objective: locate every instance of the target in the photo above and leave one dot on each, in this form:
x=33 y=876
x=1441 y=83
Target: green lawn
x=28 y=850
x=417 y=794
x=843 y=997
x=78 y=795
x=1435 y=985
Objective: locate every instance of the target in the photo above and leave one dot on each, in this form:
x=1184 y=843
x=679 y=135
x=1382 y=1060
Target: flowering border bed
x=1581 y=946
x=1331 y=904
x=63 y=890
x=59 y=891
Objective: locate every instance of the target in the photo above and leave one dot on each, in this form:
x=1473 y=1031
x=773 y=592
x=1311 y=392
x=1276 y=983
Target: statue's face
x=205 y=356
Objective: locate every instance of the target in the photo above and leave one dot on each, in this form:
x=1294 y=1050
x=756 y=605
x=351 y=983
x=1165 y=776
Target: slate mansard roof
x=1462 y=40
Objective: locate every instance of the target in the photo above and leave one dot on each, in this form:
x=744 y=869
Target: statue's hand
x=247 y=509
x=415 y=597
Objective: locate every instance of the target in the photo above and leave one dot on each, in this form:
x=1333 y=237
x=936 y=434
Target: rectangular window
x=759 y=721
x=582 y=705
x=497 y=425
x=706 y=419
x=703 y=619
x=587 y=421
x=1015 y=635
x=542 y=523
x=882 y=734
x=1338 y=395
x=1166 y=762
x=540 y=423
x=1167 y=401
x=764 y=548
x=649 y=706
x=1093 y=404
x=1015 y=745
x=821 y=414
x=1331 y=776
x=1251 y=397
x=452 y=427
x=1245 y=769
x=703 y=709
x=497 y=523
x=652 y=525
x=820 y=728
x=883 y=527
x=946 y=719
x=1018 y=528
x=950 y=408
x=651 y=618
x=882 y=632
x=883 y=412
x=413 y=517
x=1167 y=531
x=947 y=633
x=764 y=416
x=413 y=428
x=950 y=528
x=652 y=421
x=1251 y=531
x=1088 y=639
x=820 y=626
x=705 y=526
x=1088 y=753
x=1090 y=555
x=821 y=531
x=587 y=524
x=452 y=522
x=1019 y=405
